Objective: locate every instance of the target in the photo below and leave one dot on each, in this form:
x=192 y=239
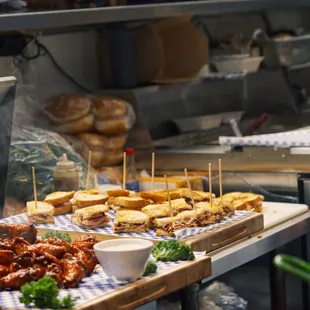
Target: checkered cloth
x=91 y=287
x=62 y=222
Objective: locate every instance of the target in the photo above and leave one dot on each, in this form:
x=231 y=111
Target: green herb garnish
x=150 y=268
x=57 y=234
x=171 y=251
x=44 y=294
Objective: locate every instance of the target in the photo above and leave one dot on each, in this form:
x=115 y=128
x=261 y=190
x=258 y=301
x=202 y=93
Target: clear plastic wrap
x=96 y=123
x=12 y=5
x=223 y=297
x=41 y=149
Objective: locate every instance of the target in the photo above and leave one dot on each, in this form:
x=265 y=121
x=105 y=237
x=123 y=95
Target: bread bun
x=108 y=107
x=80 y=125
x=63 y=209
x=97 y=158
x=112 y=126
x=113 y=158
x=67 y=107
x=98 y=142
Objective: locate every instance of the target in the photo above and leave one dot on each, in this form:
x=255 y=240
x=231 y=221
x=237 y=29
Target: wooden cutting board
x=226 y=234
x=278 y=212
x=148 y=289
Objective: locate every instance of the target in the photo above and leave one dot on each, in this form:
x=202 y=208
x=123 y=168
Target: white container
x=237 y=63
x=124 y=258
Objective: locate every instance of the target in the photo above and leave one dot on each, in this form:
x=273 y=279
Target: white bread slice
x=86 y=200
x=128 y=202
x=58 y=198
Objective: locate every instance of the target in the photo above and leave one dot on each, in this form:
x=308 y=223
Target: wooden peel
x=124 y=170
x=220 y=181
x=168 y=195
x=88 y=170
x=153 y=170
x=210 y=184
x=190 y=189
x=34 y=187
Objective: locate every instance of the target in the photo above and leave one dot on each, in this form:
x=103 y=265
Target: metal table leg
x=190 y=297
x=305 y=285
x=277 y=285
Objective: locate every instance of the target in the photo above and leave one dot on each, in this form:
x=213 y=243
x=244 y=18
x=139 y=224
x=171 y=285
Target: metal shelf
x=80 y=17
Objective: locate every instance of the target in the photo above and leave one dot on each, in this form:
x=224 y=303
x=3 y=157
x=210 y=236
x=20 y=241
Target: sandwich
x=136 y=203
x=197 y=195
x=60 y=201
x=131 y=221
x=83 y=200
x=228 y=208
x=163 y=210
x=168 y=225
x=154 y=197
x=40 y=213
x=91 y=217
x=209 y=214
x=186 y=194
x=244 y=201
x=118 y=193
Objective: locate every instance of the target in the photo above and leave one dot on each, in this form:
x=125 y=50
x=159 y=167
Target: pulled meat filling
x=130 y=227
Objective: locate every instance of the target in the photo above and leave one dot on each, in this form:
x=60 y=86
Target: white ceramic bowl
x=234 y=64
x=124 y=258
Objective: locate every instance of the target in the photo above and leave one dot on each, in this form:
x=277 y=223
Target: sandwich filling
x=41 y=218
x=130 y=227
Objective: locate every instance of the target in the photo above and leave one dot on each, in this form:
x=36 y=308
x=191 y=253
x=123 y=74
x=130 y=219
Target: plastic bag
x=41 y=149
x=222 y=296
x=12 y=5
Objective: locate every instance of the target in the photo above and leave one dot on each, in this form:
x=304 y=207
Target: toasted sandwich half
x=83 y=200
x=131 y=221
x=132 y=203
x=154 y=197
x=197 y=195
x=209 y=214
x=118 y=193
x=244 y=201
x=43 y=213
x=60 y=201
x=228 y=208
x=91 y=217
x=168 y=225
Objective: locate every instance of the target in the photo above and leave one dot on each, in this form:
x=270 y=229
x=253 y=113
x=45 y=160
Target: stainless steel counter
x=247 y=250
x=65 y=18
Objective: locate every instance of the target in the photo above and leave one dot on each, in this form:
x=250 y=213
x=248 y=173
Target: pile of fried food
x=137 y=212
x=23 y=258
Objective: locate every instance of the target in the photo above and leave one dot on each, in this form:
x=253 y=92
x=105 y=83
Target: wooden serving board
x=148 y=289
x=206 y=241
x=226 y=234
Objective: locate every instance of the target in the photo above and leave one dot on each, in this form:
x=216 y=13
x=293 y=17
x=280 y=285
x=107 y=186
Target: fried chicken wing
x=6 y=257
x=4 y=270
x=87 y=258
x=55 y=241
x=73 y=271
x=19 y=245
x=54 y=271
x=55 y=250
x=24 y=260
x=5 y=245
x=85 y=241
x=45 y=259
x=10 y=231
x=16 y=280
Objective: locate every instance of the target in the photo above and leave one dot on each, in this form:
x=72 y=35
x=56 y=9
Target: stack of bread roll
x=101 y=124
